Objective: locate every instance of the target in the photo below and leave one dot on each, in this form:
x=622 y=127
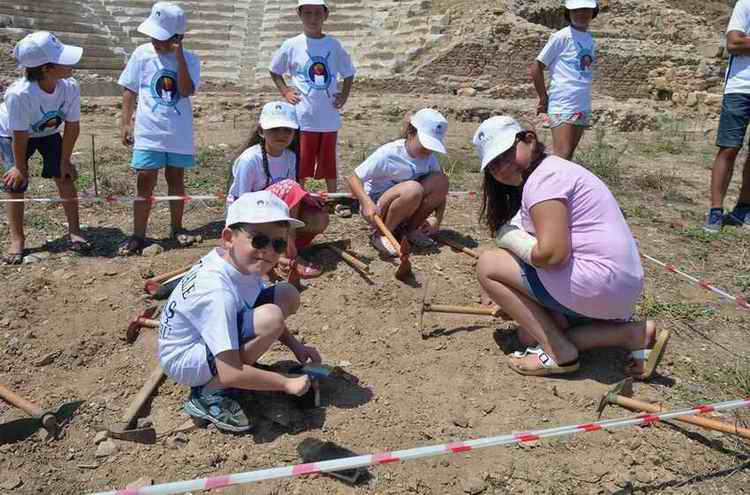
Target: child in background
x=403 y=183
x=162 y=76
x=220 y=319
x=574 y=283
x=314 y=61
x=569 y=55
x=31 y=116
x=268 y=160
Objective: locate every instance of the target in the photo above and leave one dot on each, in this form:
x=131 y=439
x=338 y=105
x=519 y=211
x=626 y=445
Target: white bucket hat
x=278 y=114
x=166 y=20
x=44 y=48
x=260 y=207
x=494 y=137
x=300 y=3
x=580 y=4
x=431 y=128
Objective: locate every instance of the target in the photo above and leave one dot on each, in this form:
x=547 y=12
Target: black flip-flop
x=80 y=247
x=13 y=259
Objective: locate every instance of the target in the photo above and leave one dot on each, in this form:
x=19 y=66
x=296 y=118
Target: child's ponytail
x=252 y=140
x=264 y=154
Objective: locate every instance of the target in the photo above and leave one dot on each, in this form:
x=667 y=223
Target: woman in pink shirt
x=569 y=274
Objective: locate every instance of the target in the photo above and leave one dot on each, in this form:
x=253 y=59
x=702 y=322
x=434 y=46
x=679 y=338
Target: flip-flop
x=80 y=247
x=548 y=365
x=342 y=211
x=652 y=357
x=183 y=237
x=305 y=269
x=133 y=245
x=13 y=259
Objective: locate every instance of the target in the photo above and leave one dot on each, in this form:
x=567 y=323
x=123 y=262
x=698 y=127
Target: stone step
x=187 y=5
x=37 y=10
x=109 y=63
x=78 y=39
x=42 y=24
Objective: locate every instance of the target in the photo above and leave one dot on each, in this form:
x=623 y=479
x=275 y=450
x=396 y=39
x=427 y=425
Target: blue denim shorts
x=50 y=147
x=535 y=287
x=735 y=115
x=156 y=160
x=245 y=328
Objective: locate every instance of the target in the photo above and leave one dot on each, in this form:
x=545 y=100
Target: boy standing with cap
x=34 y=110
x=162 y=76
x=220 y=319
x=314 y=61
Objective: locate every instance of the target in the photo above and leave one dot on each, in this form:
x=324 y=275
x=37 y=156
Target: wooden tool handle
x=456 y=245
x=386 y=232
x=149 y=323
x=166 y=276
x=13 y=398
x=708 y=423
x=349 y=258
x=463 y=310
x=152 y=383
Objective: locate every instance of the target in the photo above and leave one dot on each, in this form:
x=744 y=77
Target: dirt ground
x=63 y=322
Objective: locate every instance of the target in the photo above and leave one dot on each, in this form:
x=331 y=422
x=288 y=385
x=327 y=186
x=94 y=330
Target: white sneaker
x=384 y=246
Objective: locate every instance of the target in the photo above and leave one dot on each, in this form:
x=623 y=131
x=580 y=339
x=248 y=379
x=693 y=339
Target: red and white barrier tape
x=738 y=299
x=117 y=199
x=344 y=195
x=417 y=453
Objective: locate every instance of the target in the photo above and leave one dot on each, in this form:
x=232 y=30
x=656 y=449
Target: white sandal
x=549 y=365
x=652 y=357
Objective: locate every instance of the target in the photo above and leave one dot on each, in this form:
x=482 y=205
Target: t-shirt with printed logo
x=570 y=56
x=250 y=176
x=27 y=107
x=392 y=164
x=205 y=313
x=164 y=118
x=314 y=65
x=738 y=70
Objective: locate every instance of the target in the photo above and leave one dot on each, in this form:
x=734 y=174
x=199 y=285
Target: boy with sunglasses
x=221 y=319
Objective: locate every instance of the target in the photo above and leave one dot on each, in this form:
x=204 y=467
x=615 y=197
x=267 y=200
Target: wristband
x=517 y=241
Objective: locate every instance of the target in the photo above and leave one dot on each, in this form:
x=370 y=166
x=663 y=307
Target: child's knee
x=412 y=191
x=286 y=296
x=268 y=320
x=484 y=264
x=318 y=222
x=439 y=185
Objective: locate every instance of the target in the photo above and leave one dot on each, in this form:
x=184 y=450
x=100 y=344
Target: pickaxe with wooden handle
x=492 y=311
x=49 y=420
x=351 y=260
x=621 y=394
x=144 y=319
x=456 y=246
x=404 y=267
x=124 y=430
x=153 y=283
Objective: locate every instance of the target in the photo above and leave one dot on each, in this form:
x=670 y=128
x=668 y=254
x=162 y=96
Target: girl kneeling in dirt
x=572 y=284
x=403 y=183
x=269 y=160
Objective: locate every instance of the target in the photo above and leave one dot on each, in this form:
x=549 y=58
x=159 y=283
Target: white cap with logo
x=580 y=4
x=431 y=128
x=300 y=3
x=44 y=48
x=494 y=137
x=278 y=114
x=260 y=207
x=166 y=20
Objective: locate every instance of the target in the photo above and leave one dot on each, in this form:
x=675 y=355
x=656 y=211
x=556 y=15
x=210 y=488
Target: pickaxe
x=457 y=246
x=24 y=427
x=493 y=311
x=153 y=283
x=353 y=262
x=124 y=430
x=622 y=393
x=144 y=319
x=404 y=267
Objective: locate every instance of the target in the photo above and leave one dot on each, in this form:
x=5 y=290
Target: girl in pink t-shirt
x=570 y=274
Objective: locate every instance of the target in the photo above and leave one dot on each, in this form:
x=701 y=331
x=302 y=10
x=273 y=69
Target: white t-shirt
x=164 y=119
x=391 y=164
x=249 y=175
x=570 y=56
x=206 y=312
x=27 y=107
x=314 y=65
x=738 y=71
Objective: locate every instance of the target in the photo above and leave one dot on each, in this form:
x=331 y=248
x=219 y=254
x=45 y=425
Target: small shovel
x=23 y=428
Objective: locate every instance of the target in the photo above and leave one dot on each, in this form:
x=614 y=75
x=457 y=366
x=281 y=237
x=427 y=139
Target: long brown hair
x=500 y=202
x=256 y=137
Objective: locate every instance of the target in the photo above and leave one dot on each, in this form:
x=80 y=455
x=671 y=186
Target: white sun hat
x=580 y=4
x=300 y=3
x=260 y=207
x=494 y=137
x=278 y=114
x=431 y=128
x=166 y=20
x=41 y=48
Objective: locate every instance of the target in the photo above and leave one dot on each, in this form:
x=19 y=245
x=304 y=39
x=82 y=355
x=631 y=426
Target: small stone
x=466 y=92
x=88 y=466
x=153 y=250
x=5 y=322
x=140 y=483
x=30 y=335
x=460 y=421
x=176 y=442
x=474 y=485
x=145 y=423
x=35 y=257
x=100 y=437
x=47 y=359
x=106 y=449
x=12 y=482
x=488 y=408
x=344 y=363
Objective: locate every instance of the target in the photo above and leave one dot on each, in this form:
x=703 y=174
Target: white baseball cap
x=44 y=48
x=166 y=20
x=494 y=137
x=278 y=114
x=431 y=128
x=260 y=207
x=300 y=3
x=580 y=4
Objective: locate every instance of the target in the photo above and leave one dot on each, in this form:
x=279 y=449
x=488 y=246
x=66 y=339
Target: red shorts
x=317 y=155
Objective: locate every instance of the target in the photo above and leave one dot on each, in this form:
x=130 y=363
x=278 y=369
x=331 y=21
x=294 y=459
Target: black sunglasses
x=261 y=241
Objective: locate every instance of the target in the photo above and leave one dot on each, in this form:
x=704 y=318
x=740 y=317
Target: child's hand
x=430 y=227
x=314 y=200
x=68 y=170
x=297 y=386
x=14 y=178
x=541 y=107
x=369 y=210
x=126 y=136
x=291 y=95
x=340 y=100
x=306 y=353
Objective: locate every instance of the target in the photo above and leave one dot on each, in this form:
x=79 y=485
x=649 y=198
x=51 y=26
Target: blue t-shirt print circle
x=49 y=120
x=318 y=73
x=164 y=89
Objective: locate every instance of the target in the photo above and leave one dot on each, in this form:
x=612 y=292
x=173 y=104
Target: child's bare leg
x=316 y=220
x=500 y=276
x=400 y=202
x=15 y=224
x=435 y=189
x=67 y=189
x=631 y=336
x=286 y=297
x=268 y=325
x=331 y=185
x=176 y=186
x=145 y=184
x=565 y=139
